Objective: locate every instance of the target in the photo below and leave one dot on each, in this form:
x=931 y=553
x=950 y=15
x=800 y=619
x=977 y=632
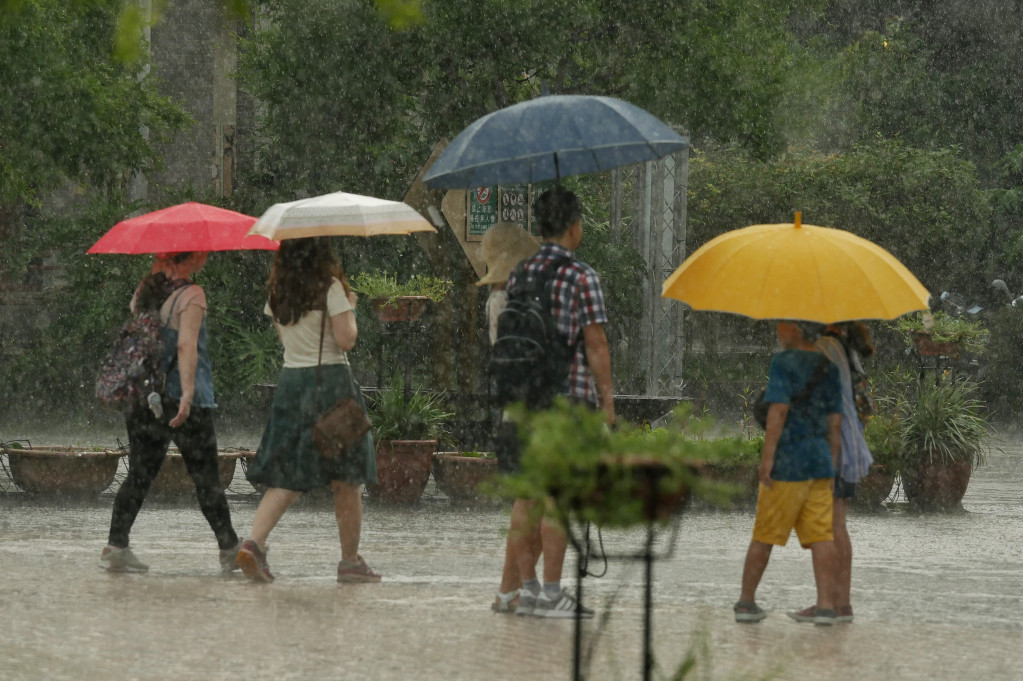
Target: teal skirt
x=287 y=457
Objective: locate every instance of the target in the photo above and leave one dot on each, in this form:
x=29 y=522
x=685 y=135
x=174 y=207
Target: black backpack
x=531 y=358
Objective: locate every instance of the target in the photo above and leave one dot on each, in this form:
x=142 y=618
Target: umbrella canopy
x=795 y=271
x=185 y=227
x=339 y=214
x=551 y=137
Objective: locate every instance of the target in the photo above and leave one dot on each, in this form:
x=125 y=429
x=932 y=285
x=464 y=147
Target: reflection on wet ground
x=936 y=597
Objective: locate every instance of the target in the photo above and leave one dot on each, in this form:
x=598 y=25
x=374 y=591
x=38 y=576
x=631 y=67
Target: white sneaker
x=560 y=606
x=121 y=560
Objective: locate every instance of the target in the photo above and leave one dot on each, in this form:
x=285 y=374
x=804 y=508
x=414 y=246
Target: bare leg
x=348 y=511
x=843 y=556
x=555 y=544
x=823 y=554
x=525 y=523
x=757 y=556
x=510 y=578
x=274 y=503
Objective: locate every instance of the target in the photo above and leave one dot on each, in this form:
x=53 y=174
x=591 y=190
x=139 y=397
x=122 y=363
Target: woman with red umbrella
x=185 y=414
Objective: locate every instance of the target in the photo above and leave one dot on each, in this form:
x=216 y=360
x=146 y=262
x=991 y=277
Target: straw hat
x=504 y=246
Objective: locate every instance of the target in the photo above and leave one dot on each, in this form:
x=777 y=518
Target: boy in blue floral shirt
x=797 y=467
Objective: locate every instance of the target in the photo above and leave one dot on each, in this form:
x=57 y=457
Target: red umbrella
x=186 y=227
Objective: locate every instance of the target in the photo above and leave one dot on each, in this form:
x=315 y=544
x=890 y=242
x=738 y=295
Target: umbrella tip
x=799 y=220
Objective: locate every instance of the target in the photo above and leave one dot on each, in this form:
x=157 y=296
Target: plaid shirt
x=577 y=302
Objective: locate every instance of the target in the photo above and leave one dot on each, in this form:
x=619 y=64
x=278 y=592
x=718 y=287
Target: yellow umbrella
x=796 y=271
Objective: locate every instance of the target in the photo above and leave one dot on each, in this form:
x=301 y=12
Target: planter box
x=403 y=469
x=174 y=481
x=459 y=477
x=642 y=480
x=404 y=309
x=926 y=346
x=63 y=471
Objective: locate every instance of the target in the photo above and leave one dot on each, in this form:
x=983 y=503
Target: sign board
x=482 y=212
x=515 y=204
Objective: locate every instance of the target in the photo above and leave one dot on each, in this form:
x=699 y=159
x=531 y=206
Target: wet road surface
x=936 y=597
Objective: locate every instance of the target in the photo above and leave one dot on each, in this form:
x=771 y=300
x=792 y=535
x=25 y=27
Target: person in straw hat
x=504 y=246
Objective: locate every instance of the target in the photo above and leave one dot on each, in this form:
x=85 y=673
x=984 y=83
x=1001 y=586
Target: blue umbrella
x=551 y=137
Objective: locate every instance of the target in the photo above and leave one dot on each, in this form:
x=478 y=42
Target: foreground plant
x=603 y=476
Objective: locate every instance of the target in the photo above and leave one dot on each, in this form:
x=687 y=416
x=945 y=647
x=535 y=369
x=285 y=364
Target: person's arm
x=343 y=325
x=188 y=358
x=598 y=358
x=776 y=415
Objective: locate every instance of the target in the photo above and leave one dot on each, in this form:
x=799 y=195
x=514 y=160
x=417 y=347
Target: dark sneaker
x=229 y=559
x=506 y=604
x=356 y=572
x=252 y=561
x=804 y=615
x=559 y=606
x=824 y=617
x=845 y=614
x=527 y=603
x=121 y=560
x=821 y=616
x=747 y=612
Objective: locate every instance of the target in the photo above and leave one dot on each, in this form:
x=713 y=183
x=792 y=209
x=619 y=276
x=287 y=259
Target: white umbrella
x=339 y=214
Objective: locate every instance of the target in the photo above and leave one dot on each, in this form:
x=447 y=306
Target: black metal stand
x=648 y=556
x=404 y=334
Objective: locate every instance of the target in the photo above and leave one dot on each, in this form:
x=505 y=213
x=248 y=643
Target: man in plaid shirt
x=577 y=306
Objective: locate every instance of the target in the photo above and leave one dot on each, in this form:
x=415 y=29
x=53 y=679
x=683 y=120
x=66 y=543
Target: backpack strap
x=540 y=285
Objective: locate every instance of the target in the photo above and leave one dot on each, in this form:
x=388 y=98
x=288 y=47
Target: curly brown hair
x=301 y=274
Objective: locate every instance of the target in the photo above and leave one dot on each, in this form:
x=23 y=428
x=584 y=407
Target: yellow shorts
x=805 y=506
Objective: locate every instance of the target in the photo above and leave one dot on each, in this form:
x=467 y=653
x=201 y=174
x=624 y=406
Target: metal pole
x=648 y=556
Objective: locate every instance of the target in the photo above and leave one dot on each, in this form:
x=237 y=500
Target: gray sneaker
x=229 y=558
x=121 y=560
x=559 y=606
x=527 y=603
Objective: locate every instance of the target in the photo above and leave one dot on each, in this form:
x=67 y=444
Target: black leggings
x=148 y=439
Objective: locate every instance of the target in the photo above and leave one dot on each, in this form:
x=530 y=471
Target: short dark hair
x=556 y=210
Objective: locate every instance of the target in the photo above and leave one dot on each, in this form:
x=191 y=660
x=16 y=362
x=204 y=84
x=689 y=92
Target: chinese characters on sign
x=488 y=205
x=482 y=213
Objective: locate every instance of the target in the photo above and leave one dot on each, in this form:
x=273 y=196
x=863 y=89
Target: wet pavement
x=936 y=597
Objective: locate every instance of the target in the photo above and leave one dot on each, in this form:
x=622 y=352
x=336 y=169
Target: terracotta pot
x=459 y=477
x=937 y=486
x=173 y=479
x=404 y=309
x=65 y=471
x=403 y=469
x=875 y=487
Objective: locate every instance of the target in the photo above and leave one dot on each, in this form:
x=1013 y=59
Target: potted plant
x=459 y=475
x=943 y=335
x=620 y=478
x=73 y=472
x=405 y=301
x=407 y=426
x=945 y=434
x=883 y=433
